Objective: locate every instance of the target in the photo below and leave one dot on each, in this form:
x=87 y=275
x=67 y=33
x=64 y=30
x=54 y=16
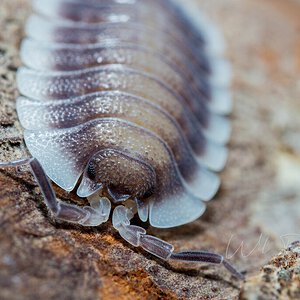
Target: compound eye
x=91 y=172
x=149 y=193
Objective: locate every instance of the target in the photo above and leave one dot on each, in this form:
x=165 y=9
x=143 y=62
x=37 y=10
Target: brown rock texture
x=258 y=204
x=279 y=279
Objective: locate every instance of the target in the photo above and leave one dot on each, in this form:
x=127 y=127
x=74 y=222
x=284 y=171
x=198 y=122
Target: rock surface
x=258 y=204
x=279 y=279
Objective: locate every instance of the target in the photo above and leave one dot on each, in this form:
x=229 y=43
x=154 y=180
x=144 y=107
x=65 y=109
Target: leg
x=137 y=236
x=92 y=215
x=15 y=163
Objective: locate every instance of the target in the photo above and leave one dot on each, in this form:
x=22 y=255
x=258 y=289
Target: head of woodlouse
x=124 y=176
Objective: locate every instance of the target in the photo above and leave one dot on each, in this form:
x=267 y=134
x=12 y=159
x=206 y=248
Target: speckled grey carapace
x=92 y=83
x=127 y=108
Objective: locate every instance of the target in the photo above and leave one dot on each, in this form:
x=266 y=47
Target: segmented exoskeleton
x=126 y=99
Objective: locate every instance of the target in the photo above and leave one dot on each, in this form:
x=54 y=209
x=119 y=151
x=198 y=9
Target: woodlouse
x=128 y=98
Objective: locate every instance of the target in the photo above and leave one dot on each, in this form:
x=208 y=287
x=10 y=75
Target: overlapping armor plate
x=126 y=96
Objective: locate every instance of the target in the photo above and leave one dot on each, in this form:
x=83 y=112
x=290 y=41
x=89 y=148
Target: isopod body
x=126 y=102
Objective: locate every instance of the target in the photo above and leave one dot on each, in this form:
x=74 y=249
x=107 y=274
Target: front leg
x=137 y=236
x=93 y=215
